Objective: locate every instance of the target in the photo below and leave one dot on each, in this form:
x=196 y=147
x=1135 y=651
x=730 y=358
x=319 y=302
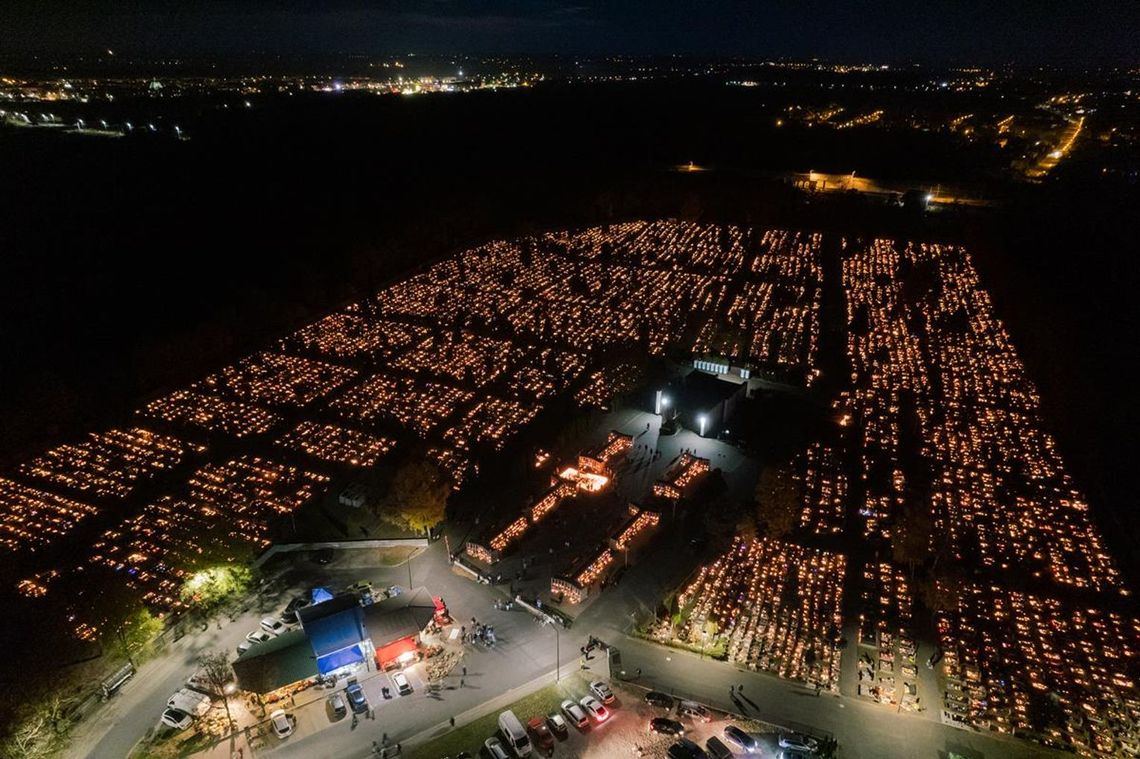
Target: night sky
x=943 y=31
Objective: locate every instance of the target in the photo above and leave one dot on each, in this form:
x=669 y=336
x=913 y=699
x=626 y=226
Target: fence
x=277 y=548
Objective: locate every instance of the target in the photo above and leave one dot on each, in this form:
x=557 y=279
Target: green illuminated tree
x=417 y=498
x=207 y=589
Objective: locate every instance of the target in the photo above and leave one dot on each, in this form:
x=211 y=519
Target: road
x=525 y=653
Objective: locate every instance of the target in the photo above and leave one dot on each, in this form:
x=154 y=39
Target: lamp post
x=557 y=648
x=703 y=420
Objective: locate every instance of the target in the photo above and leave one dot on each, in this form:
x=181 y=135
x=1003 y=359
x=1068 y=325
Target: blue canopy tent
x=320 y=595
x=335 y=629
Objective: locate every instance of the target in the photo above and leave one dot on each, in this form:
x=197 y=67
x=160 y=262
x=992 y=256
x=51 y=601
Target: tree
x=41 y=731
x=209 y=588
x=215 y=669
x=910 y=543
x=417 y=498
x=133 y=638
x=778 y=501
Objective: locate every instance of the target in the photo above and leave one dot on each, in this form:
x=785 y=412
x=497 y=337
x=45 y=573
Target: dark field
x=132 y=265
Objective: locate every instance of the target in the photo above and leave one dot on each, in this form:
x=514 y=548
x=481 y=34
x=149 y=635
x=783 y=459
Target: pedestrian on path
x=465 y=671
x=461 y=682
x=453 y=721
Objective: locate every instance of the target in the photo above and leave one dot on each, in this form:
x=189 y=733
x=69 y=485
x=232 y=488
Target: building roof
x=333 y=625
x=704 y=391
x=399 y=616
x=276 y=663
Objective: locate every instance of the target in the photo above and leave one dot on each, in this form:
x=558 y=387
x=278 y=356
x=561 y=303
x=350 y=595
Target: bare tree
x=219 y=677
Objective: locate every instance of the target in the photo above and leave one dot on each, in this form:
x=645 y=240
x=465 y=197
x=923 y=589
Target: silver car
x=495 y=749
x=575 y=714
x=798 y=742
x=176 y=719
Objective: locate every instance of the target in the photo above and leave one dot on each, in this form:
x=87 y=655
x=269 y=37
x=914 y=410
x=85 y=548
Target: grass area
x=470 y=737
x=718 y=649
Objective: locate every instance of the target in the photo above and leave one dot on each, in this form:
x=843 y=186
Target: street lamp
x=703 y=421
x=557 y=648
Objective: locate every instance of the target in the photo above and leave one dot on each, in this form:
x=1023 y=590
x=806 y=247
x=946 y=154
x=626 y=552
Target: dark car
x=717 y=749
x=686 y=749
x=356 y=698
x=657 y=698
x=741 y=739
x=543 y=738
x=323 y=556
x=293 y=607
x=666 y=726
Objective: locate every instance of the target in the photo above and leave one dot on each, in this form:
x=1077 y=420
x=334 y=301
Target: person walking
x=453 y=721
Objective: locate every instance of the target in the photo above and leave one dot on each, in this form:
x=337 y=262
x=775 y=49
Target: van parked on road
x=192 y=702
x=514 y=733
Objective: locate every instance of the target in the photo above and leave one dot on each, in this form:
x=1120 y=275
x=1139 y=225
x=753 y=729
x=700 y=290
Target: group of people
x=479 y=632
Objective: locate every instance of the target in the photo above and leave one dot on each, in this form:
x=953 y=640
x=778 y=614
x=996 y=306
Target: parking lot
x=624 y=733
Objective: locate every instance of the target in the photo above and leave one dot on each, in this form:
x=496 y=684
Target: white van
x=193 y=703
x=514 y=733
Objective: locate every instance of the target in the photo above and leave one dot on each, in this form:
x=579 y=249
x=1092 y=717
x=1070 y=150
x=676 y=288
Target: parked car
x=716 y=748
x=798 y=742
x=495 y=749
x=295 y=605
x=322 y=556
x=558 y=726
x=360 y=586
x=543 y=738
x=657 y=698
x=575 y=714
x=176 y=719
x=258 y=636
x=666 y=726
x=356 y=698
x=336 y=703
x=693 y=710
x=595 y=708
x=402 y=684
x=244 y=646
x=791 y=753
x=741 y=739
x=602 y=691
x=686 y=749
x=199 y=682
x=282 y=723
x=273 y=626
x=190 y=701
